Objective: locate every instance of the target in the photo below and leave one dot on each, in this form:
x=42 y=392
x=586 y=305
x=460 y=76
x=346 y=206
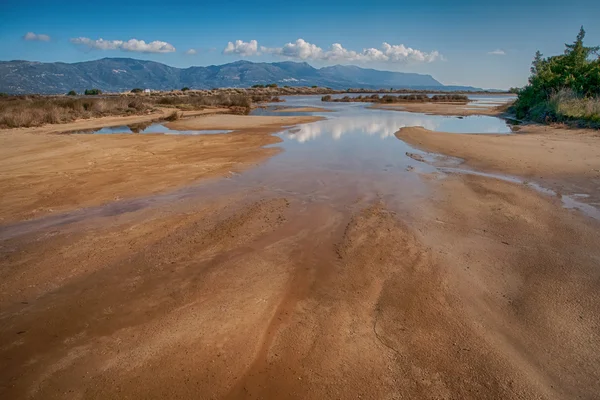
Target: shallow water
x=350 y=156
x=152 y=128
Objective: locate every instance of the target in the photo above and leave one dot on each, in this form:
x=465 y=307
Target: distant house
x=147 y=90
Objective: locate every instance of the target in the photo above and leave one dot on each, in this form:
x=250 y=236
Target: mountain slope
x=120 y=74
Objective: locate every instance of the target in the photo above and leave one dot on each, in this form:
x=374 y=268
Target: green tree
x=575 y=74
x=92 y=92
x=136 y=90
x=185 y=89
x=72 y=93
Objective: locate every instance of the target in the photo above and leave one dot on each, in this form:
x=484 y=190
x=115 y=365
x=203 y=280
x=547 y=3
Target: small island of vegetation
x=387 y=99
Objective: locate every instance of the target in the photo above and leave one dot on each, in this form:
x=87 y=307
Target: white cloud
x=303 y=50
x=497 y=52
x=242 y=48
x=299 y=49
x=132 y=45
x=191 y=52
x=35 y=36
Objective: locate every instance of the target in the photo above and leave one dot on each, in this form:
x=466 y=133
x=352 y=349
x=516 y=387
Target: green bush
x=92 y=92
x=72 y=93
x=564 y=87
x=136 y=90
x=185 y=89
x=258 y=86
x=271 y=85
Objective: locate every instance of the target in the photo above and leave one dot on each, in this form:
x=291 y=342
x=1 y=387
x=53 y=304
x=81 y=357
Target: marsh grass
x=29 y=111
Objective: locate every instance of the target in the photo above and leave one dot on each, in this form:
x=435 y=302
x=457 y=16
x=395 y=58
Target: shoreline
x=566 y=161
x=446 y=109
x=46 y=173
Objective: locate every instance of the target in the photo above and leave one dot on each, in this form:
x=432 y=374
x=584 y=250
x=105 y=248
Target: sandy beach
x=317 y=287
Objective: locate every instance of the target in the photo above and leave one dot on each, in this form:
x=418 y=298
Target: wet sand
x=302 y=109
x=49 y=173
x=97 y=123
x=483 y=289
x=237 y=122
x=458 y=109
x=567 y=160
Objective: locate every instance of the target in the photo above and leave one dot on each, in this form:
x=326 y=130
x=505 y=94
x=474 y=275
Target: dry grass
x=195 y=100
x=30 y=111
x=174 y=116
x=568 y=105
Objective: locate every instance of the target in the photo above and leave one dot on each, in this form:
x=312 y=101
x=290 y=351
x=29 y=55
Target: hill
x=121 y=74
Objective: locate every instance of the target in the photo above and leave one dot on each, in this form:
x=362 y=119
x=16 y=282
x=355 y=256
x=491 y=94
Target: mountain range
x=122 y=74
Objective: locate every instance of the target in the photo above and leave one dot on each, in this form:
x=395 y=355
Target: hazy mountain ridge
x=121 y=74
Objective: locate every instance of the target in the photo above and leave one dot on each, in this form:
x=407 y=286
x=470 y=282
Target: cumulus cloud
x=191 y=52
x=497 y=52
x=36 y=36
x=132 y=45
x=303 y=50
x=242 y=48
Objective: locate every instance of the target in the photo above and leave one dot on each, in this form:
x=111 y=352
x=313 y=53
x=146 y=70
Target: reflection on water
x=150 y=128
x=350 y=156
x=350 y=119
x=383 y=124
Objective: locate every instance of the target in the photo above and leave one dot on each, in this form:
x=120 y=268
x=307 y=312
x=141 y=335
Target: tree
x=136 y=90
x=537 y=60
x=185 y=89
x=72 y=93
x=573 y=74
x=92 y=92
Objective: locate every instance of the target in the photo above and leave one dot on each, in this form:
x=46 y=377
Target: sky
x=461 y=42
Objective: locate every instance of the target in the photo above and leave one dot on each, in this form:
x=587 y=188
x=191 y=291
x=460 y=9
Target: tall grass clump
x=563 y=88
x=28 y=111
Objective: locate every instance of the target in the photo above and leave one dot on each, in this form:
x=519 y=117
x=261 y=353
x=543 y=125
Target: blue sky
x=451 y=40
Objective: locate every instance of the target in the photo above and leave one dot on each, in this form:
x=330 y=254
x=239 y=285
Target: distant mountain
x=121 y=74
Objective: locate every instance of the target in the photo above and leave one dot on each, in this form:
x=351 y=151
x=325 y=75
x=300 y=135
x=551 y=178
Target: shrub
x=136 y=90
x=174 y=116
x=271 y=85
x=185 y=89
x=314 y=86
x=92 y=92
x=326 y=98
x=258 y=86
x=564 y=87
x=72 y=93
